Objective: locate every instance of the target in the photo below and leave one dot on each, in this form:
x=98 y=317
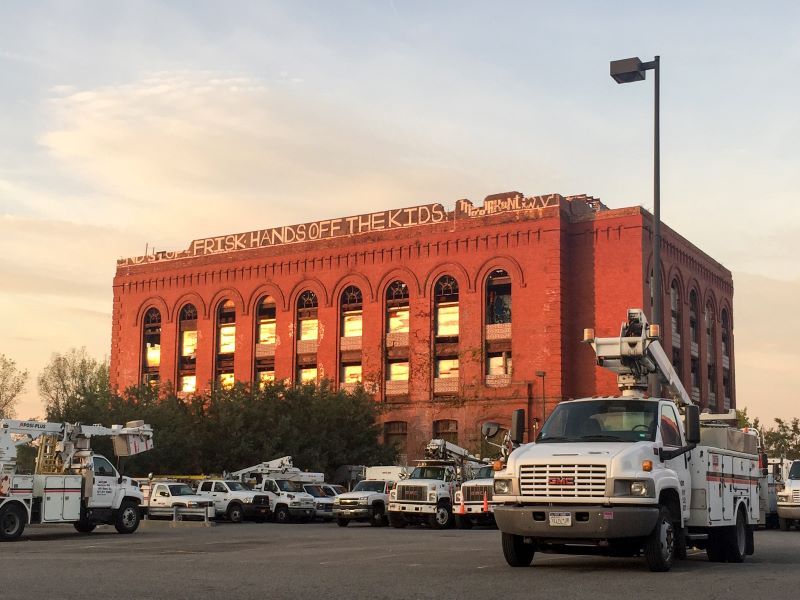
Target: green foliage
x=784 y=439
x=12 y=381
x=226 y=430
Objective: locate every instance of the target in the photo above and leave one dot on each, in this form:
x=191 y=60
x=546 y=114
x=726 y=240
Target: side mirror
x=692 y=424
x=490 y=429
x=120 y=479
x=517 y=426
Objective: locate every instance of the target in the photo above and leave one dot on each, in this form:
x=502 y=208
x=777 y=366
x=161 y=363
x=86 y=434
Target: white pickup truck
x=170 y=494
x=789 y=499
x=235 y=501
x=369 y=499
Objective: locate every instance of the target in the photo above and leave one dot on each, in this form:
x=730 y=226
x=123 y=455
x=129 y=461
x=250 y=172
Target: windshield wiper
x=598 y=437
x=556 y=438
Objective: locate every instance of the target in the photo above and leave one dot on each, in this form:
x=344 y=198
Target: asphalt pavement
x=323 y=561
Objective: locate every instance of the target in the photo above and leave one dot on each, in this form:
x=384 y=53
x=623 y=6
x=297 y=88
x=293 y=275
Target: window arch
x=498 y=328
x=446 y=306
x=446 y=327
x=350 y=311
x=446 y=429
x=351 y=327
x=151 y=346
x=307 y=337
x=498 y=297
x=226 y=343
x=396 y=367
x=693 y=340
x=726 y=334
x=187 y=349
x=711 y=348
x=693 y=310
x=675 y=305
x=726 y=359
x=266 y=338
x=395 y=433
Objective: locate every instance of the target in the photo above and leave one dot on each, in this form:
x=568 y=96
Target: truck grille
x=348 y=502
x=261 y=500
x=795 y=495
x=563 y=481
x=474 y=493
x=413 y=493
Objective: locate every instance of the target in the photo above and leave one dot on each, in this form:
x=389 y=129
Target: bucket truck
x=71 y=484
x=426 y=496
x=625 y=475
x=283 y=483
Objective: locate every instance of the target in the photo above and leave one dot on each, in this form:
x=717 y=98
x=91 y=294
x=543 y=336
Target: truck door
x=271 y=490
x=159 y=496
x=105 y=483
x=220 y=496
x=671 y=439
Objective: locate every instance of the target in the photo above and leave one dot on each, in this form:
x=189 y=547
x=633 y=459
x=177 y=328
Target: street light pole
x=626 y=71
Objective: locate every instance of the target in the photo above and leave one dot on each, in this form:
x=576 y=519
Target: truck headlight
x=502 y=487
x=783 y=497
x=458 y=497
x=393 y=495
x=192 y=504
x=248 y=500
x=363 y=501
x=336 y=500
x=639 y=488
x=432 y=497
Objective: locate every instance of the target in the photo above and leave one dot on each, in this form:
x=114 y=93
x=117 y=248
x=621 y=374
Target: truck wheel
x=12 y=522
x=235 y=513
x=659 y=547
x=342 y=522
x=751 y=542
x=735 y=539
x=378 y=518
x=516 y=552
x=715 y=548
x=127 y=519
x=84 y=526
x=463 y=522
x=282 y=515
x=680 y=543
x=783 y=524
x=442 y=518
x=398 y=522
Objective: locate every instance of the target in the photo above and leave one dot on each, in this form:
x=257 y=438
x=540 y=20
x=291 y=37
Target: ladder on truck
x=48 y=459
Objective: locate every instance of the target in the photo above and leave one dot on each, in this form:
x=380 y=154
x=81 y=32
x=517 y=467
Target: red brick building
x=450 y=318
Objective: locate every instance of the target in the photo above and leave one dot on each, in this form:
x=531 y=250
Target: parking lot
x=324 y=561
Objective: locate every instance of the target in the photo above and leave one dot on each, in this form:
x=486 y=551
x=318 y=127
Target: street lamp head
x=628 y=70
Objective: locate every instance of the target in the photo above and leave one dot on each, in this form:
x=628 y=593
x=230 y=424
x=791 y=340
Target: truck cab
x=288 y=499
x=474 y=504
x=169 y=494
x=323 y=501
x=789 y=499
x=369 y=499
x=234 y=500
x=426 y=496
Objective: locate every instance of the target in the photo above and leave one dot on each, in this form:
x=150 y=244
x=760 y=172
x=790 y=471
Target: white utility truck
x=163 y=494
x=283 y=483
x=789 y=498
x=626 y=475
x=369 y=499
x=474 y=501
x=71 y=484
x=427 y=495
x=234 y=501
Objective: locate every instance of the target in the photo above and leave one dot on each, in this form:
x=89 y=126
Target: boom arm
x=634 y=355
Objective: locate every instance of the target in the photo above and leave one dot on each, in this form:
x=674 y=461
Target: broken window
x=151 y=346
x=446 y=305
x=446 y=429
x=498 y=298
x=395 y=433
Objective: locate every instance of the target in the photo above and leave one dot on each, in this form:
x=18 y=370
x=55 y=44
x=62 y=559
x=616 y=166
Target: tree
x=75 y=387
x=12 y=381
x=784 y=440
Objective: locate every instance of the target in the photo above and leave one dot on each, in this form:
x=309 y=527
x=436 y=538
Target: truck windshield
x=610 y=420
x=315 y=491
x=427 y=473
x=369 y=486
x=485 y=473
x=794 y=472
x=289 y=486
x=235 y=486
x=181 y=490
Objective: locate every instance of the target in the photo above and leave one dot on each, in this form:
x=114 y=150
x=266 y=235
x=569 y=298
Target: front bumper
x=412 y=508
x=588 y=522
x=789 y=511
x=256 y=510
x=302 y=511
x=352 y=512
x=473 y=509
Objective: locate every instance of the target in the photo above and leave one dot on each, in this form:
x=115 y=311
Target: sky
x=125 y=126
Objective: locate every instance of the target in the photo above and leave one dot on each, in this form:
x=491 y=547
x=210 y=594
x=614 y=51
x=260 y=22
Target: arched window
x=397 y=321
x=350 y=323
x=726 y=359
x=693 y=310
x=677 y=318
x=395 y=433
x=266 y=338
x=726 y=335
x=445 y=348
x=498 y=328
x=307 y=337
x=187 y=349
x=226 y=343
x=446 y=429
x=711 y=349
x=151 y=346
x=446 y=304
x=693 y=339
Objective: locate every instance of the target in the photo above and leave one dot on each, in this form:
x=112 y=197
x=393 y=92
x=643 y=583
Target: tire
x=84 y=526
x=659 y=547
x=12 y=522
x=235 y=513
x=442 y=518
x=516 y=552
x=127 y=518
x=784 y=524
x=463 y=522
x=378 y=518
x=735 y=539
x=342 y=522
x=397 y=522
x=751 y=542
x=282 y=515
x=681 y=551
x=715 y=548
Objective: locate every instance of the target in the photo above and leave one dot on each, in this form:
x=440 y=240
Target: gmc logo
x=561 y=481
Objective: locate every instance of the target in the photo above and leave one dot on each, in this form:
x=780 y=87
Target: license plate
x=560 y=519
